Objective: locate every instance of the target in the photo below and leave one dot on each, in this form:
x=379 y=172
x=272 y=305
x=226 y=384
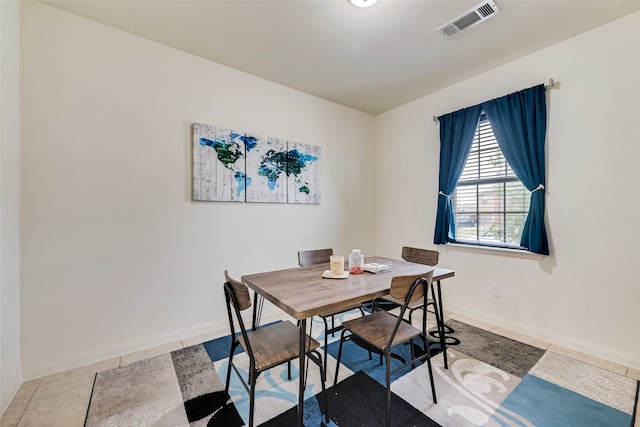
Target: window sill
x=516 y=253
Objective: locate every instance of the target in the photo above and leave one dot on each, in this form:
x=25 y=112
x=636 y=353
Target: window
x=490 y=203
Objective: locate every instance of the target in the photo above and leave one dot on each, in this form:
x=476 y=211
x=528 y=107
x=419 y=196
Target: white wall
x=586 y=294
x=115 y=255
x=10 y=373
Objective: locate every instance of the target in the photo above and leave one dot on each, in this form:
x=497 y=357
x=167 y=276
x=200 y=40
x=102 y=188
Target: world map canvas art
x=235 y=166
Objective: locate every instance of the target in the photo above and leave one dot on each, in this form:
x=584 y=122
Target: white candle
x=336 y=264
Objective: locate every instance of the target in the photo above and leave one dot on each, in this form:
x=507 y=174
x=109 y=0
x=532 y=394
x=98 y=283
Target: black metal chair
x=382 y=331
x=322 y=256
x=267 y=347
x=426 y=257
x=419 y=256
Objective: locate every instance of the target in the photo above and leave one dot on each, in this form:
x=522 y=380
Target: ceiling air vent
x=481 y=12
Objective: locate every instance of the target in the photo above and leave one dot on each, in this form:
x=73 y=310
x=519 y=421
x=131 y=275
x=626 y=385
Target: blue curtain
x=519 y=122
x=456 y=138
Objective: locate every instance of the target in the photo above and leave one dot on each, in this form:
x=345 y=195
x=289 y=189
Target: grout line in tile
x=24 y=410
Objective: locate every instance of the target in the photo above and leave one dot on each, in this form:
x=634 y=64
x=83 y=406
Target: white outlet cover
x=495 y=290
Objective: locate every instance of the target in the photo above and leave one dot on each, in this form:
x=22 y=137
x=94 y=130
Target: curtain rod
x=552 y=84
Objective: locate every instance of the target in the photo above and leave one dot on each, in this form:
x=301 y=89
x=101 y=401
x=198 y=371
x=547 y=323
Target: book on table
x=375 y=267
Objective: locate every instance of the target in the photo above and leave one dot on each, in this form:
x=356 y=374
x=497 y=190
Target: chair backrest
x=420 y=256
x=403 y=287
x=313 y=257
x=408 y=289
x=237 y=296
x=240 y=291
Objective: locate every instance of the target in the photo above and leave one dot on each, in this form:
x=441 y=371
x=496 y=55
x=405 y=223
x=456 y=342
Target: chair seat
x=377 y=327
x=276 y=344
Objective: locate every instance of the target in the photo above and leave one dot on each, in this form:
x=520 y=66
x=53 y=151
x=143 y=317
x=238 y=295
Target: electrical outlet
x=495 y=290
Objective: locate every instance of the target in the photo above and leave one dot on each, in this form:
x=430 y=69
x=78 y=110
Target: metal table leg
x=258 y=303
x=303 y=344
x=441 y=333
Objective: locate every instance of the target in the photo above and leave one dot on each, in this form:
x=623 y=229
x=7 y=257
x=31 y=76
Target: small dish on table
x=329 y=275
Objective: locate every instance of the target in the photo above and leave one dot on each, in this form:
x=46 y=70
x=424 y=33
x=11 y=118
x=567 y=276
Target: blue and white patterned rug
x=491 y=381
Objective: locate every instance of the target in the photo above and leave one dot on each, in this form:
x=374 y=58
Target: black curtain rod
x=552 y=84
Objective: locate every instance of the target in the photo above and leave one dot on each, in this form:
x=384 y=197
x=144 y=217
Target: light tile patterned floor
x=62 y=399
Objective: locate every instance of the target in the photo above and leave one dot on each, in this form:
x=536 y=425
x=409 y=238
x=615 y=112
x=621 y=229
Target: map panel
x=218 y=164
x=303 y=172
x=266 y=170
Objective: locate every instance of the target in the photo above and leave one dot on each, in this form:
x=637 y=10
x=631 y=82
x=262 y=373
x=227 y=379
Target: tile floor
x=62 y=399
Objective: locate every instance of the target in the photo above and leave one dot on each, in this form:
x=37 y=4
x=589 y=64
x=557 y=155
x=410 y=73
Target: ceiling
x=371 y=59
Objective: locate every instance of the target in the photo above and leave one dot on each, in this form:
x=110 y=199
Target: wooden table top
x=302 y=292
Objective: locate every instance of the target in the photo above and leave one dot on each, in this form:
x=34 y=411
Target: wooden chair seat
x=374 y=329
x=276 y=344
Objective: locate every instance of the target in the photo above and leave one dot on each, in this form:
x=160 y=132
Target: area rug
x=180 y=388
x=359 y=400
x=511 y=356
x=491 y=381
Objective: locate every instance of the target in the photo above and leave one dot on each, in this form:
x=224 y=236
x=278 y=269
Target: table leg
x=303 y=353
x=254 y=319
x=441 y=328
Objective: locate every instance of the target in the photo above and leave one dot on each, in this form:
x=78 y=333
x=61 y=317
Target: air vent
x=481 y=12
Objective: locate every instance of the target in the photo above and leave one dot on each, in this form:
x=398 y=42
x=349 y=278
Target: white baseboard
x=121 y=349
x=10 y=393
x=583 y=347
x=217 y=328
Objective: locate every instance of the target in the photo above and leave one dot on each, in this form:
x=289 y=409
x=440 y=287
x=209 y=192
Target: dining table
x=303 y=292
